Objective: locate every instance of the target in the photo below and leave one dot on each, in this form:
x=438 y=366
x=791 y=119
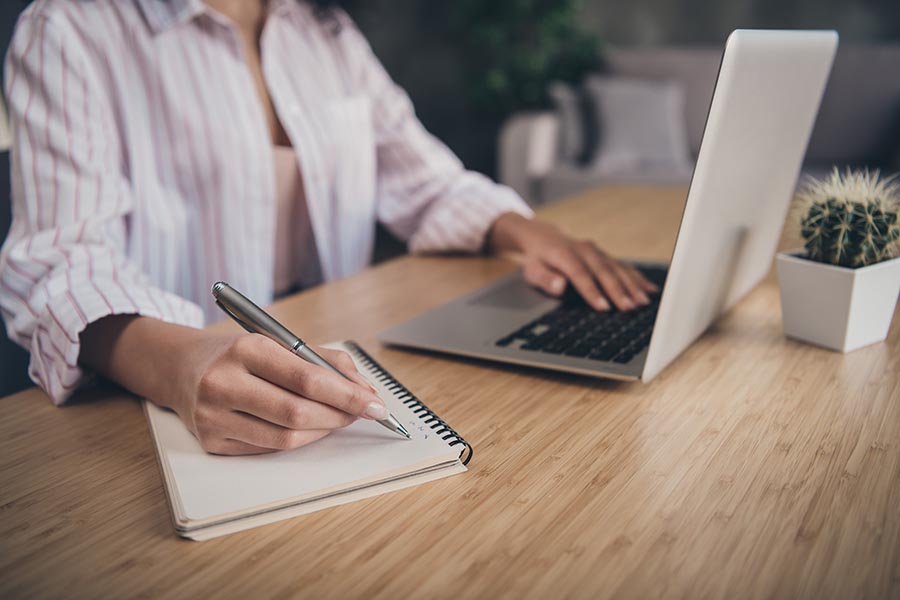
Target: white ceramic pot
x=836 y=307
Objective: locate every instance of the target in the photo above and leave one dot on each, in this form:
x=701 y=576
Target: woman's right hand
x=245 y=394
x=239 y=394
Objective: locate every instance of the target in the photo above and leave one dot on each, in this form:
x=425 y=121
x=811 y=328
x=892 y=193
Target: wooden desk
x=753 y=466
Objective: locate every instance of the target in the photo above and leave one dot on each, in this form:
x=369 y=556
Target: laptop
x=767 y=95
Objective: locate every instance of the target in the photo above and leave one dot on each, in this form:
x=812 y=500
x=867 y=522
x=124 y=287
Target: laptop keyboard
x=575 y=329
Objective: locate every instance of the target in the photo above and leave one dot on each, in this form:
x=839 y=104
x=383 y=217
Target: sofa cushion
x=694 y=68
x=641 y=125
x=858 y=122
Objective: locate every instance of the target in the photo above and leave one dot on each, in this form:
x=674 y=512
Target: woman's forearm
x=141 y=354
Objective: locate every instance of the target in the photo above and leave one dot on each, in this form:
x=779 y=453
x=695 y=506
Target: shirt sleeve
x=425 y=195
x=64 y=264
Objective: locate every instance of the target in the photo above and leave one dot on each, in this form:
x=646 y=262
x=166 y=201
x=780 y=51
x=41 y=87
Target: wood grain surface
x=754 y=466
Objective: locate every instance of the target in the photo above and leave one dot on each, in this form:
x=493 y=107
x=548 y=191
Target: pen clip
x=236 y=318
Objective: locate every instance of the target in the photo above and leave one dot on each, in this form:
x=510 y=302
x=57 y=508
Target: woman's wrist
x=146 y=356
x=508 y=233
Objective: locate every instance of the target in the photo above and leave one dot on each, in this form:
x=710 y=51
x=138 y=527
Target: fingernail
x=376 y=410
x=557 y=286
x=643 y=298
x=601 y=304
x=627 y=304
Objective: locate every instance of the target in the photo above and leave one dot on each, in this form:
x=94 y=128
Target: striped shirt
x=142 y=165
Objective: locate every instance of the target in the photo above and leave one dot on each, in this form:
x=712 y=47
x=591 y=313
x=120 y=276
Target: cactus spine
x=851 y=220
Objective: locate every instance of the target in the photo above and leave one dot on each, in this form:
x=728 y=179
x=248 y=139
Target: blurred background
x=476 y=64
x=556 y=97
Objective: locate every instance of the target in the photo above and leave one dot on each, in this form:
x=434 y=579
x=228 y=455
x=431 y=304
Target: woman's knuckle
x=256 y=346
x=534 y=261
x=295 y=416
x=358 y=399
x=533 y=274
x=211 y=384
x=308 y=380
x=244 y=344
x=585 y=245
x=559 y=254
x=282 y=438
x=205 y=385
x=294 y=439
x=622 y=272
x=232 y=348
x=610 y=286
x=345 y=361
x=584 y=281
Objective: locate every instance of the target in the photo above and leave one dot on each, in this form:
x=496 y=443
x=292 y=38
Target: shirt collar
x=165 y=14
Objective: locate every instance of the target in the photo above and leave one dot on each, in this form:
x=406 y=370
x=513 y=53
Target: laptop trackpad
x=511 y=294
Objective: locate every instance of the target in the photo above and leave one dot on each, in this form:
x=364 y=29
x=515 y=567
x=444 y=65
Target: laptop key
x=603 y=353
x=538 y=343
x=580 y=351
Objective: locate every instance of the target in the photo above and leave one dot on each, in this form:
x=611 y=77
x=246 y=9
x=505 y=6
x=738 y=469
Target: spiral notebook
x=212 y=495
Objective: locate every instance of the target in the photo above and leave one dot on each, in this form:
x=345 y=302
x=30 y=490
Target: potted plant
x=841 y=290
x=512 y=51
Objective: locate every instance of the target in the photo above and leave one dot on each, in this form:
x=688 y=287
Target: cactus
x=851 y=220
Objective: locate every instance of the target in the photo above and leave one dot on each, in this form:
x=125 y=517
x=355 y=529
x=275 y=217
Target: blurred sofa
x=13 y=360
x=552 y=154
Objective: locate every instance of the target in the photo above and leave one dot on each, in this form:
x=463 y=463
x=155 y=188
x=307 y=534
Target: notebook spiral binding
x=418 y=407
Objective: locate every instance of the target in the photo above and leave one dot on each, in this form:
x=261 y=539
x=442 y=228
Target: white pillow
x=642 y=125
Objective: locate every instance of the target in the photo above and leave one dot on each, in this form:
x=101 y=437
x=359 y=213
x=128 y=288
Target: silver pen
x=255 y=320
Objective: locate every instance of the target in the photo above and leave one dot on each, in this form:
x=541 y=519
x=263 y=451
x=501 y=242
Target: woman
x=160 y=145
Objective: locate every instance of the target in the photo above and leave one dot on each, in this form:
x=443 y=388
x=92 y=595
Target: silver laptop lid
x=760 y=119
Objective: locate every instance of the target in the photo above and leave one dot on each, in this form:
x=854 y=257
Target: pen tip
x=217 y=287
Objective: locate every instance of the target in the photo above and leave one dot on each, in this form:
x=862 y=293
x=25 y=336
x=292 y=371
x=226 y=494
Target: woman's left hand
x=550 y=259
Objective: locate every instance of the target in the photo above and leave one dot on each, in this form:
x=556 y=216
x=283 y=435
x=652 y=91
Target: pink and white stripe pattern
x=142 y=165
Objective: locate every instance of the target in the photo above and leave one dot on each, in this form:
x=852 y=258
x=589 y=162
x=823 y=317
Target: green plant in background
x=514 y=48
x=851 y=220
